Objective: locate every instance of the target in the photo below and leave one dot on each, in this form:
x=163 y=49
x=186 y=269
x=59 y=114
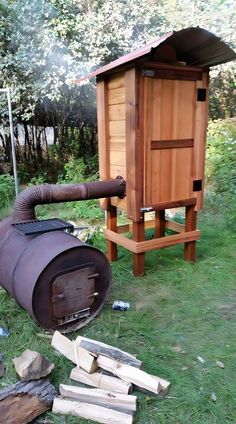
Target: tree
x=45 y=44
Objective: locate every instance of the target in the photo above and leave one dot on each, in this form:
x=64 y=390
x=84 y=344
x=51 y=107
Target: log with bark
x=22 y=402
x=100 y=348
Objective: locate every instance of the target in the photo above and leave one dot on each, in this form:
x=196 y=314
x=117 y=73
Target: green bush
x=7 y=190
x=221 y=168
x=75 y=171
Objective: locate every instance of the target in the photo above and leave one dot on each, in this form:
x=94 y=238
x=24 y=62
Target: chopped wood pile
x=111 y=372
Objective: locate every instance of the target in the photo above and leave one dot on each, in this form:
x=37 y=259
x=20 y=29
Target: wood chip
x=220 y=364
x=213 y=397
x=184 y=368
x=200 y=359
x=32 y=365
x=176 y=349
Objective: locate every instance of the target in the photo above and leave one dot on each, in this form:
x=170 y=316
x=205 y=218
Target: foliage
x=7 y=190
x=221 y=168
x=223 y=92
x=75 y=171
x=46 y=44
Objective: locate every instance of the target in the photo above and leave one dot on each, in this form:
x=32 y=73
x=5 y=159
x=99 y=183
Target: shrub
x=221 y=168
x=75 y=171
x=7 y=190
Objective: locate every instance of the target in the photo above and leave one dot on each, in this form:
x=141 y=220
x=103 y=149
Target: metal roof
x=195 y=46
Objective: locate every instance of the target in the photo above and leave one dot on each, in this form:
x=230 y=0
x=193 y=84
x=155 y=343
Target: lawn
x=179 y=311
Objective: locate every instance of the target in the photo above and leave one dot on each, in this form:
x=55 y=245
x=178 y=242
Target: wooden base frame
x=187 y=234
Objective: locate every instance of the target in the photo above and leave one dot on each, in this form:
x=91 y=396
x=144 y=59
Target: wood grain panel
x=103 y=135
x=181 y=183
x=117 y=147
x=171 y=144
x=172 y=74
x=119 y=203
x=117 y=128
x=116 y=96
x=117 y=112
x=200 y=130
x=117 y=139
x=116 y=170
x=156 y=65
x=117 y=158
x=169 y=139
x=147 y=245
x=134 y=144
x=116 y=81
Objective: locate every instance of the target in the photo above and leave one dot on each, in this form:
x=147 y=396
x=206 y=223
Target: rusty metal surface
x=195 y=46
x=30 y=266
x=62 y=282
x=24 y=208
x=72 y=292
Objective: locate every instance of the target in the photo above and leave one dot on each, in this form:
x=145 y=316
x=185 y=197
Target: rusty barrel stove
x=61 y=281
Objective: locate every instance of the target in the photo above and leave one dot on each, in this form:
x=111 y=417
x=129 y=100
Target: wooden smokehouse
x=152 y=109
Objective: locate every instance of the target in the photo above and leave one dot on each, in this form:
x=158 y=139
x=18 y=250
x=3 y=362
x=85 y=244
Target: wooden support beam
x=100 y=380
x=190 y=225
x=148 y=245
x=106 y=398
x=169 y=205
x=171 y=225
x=111 y=225
x=175 y=226
x=103 y=135
x=90 y=412
x=160 y=223
x=134 y=143
x=138 y=259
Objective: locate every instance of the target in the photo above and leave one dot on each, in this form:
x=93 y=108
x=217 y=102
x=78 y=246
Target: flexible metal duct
x=54 y=193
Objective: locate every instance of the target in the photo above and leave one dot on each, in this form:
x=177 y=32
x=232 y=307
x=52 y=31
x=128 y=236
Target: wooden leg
x=138 y=258
x=160 y=224
x=111 y=225
x=190 y=225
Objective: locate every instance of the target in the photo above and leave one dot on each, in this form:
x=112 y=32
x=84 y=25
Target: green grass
x=192 y=306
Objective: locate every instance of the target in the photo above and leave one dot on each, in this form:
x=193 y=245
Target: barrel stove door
x=73 y=294
x=169 y=115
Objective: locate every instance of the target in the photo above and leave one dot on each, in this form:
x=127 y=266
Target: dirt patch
x=228 y=308
x=144 y=304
